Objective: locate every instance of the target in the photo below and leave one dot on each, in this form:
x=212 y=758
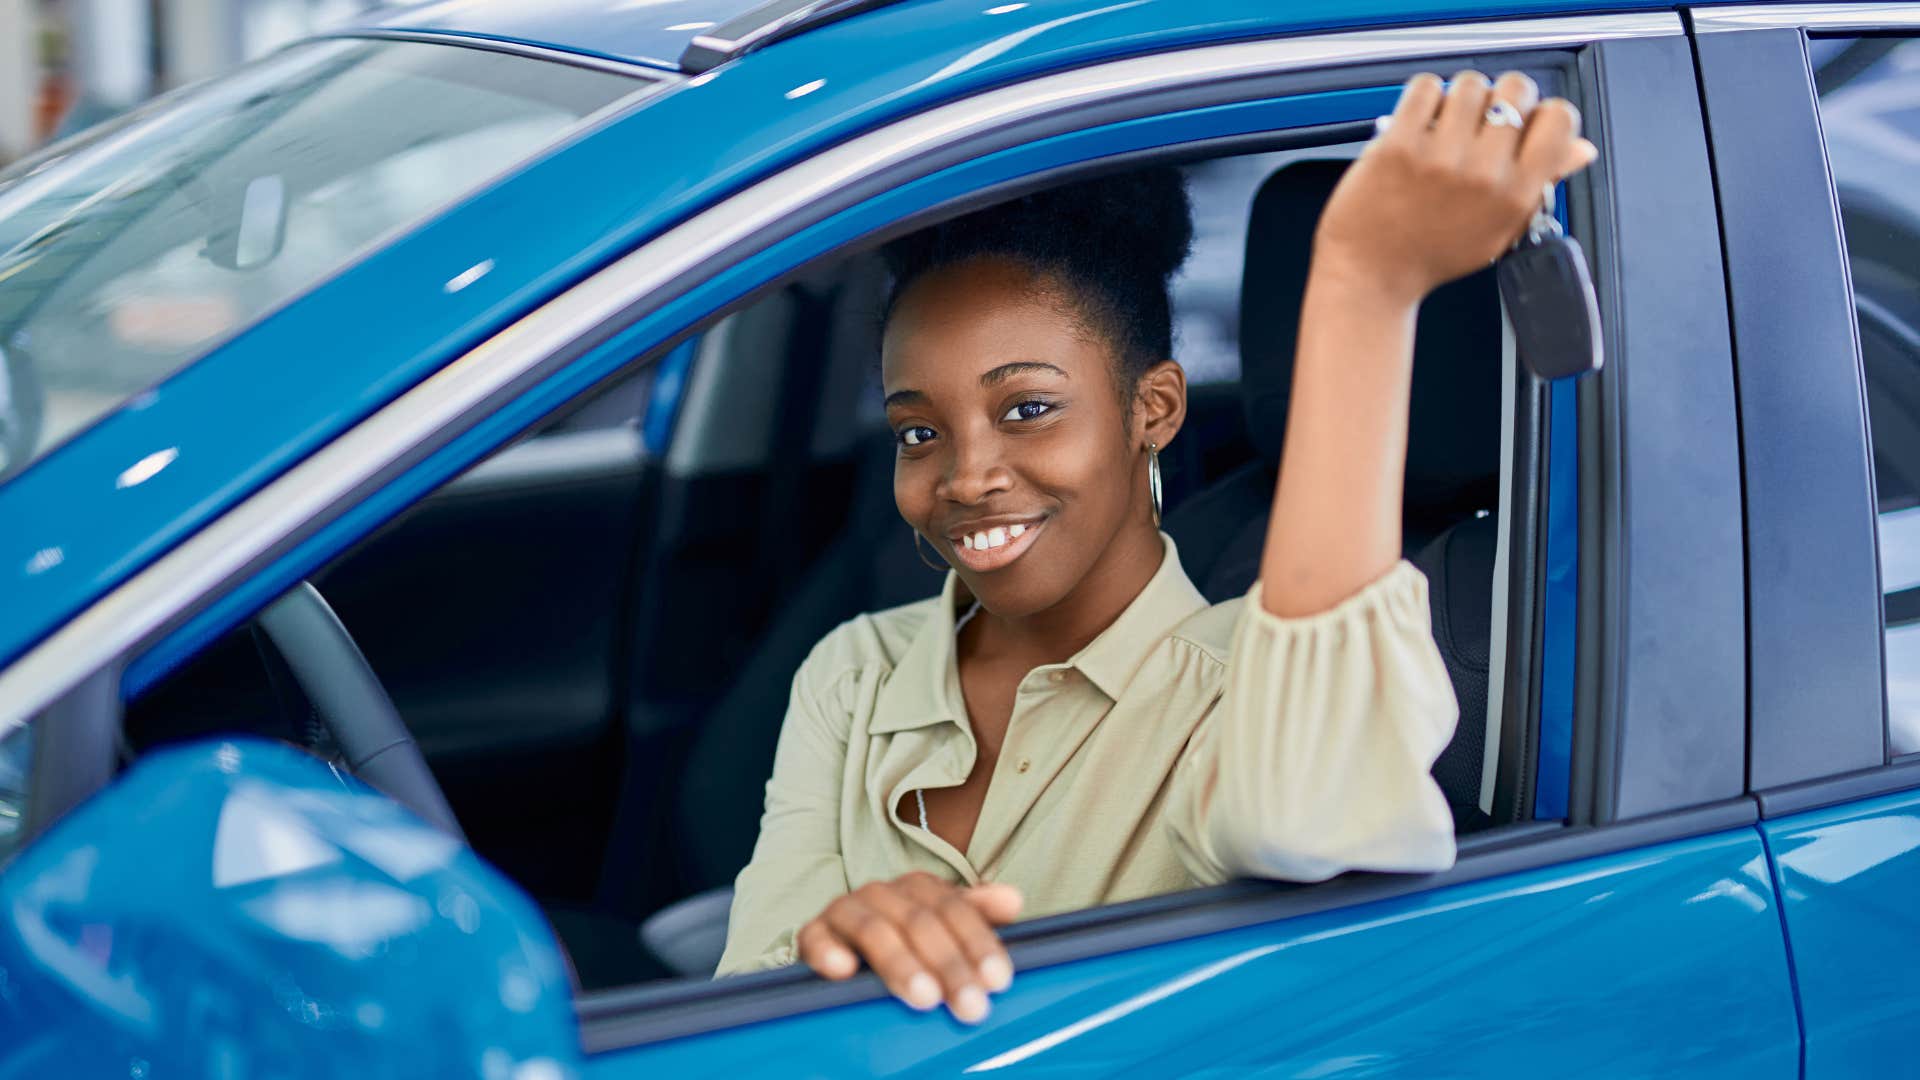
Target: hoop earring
x=938 y=568
x=1153 y=481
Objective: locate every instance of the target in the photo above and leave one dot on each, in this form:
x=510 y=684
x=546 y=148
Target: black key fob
x=1550 y=302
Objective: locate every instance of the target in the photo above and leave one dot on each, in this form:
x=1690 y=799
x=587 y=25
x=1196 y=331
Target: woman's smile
x=991 y=543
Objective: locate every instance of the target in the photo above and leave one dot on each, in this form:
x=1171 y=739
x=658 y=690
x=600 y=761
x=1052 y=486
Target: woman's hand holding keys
x=1450 y=183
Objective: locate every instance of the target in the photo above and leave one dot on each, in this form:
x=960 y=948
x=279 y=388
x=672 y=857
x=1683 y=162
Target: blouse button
x=1025 y=764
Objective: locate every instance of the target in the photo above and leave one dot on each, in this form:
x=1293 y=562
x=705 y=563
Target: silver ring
x=1502 y=114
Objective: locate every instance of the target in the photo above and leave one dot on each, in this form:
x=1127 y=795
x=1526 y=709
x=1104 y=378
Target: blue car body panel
x=1848 y=879
x=270 y=396
x=236 y=909
x=1663 y=961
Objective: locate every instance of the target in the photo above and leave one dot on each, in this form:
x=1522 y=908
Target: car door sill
x=632 y=1016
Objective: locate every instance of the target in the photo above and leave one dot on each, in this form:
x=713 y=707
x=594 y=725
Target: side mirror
x=236 y=909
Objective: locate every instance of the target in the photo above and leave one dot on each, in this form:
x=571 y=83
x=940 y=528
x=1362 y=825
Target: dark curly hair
x=1110 y=244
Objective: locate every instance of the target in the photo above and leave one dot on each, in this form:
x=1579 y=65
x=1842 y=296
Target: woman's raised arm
x=1439 y=195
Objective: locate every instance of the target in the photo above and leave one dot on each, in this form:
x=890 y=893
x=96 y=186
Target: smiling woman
x=1069 y=723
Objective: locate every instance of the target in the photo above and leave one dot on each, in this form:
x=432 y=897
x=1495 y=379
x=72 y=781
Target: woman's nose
x=974 y=472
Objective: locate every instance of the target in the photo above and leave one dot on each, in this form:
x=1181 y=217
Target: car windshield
x=135 y=248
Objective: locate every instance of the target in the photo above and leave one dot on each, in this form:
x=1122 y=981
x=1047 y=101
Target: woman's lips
x=982 y=550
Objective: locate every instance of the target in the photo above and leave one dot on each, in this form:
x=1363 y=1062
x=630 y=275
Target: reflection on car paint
x=1663 y=960
x=1847 y=884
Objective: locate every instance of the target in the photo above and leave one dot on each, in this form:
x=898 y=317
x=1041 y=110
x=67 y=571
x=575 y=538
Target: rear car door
x=1632 y=927
x=1815 y=114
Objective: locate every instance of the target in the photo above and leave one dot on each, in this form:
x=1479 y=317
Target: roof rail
x=762 y=26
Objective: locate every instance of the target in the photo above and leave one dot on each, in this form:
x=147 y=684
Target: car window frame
x=1793 y=763
x=433 y=432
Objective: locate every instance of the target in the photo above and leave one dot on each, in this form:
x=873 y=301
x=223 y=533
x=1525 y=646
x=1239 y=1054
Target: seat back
x=1453 y=450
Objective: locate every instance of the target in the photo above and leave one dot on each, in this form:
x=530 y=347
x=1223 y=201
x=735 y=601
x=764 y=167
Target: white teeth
x=998 y=536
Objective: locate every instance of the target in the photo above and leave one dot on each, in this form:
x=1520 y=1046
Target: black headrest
x=1453 y=448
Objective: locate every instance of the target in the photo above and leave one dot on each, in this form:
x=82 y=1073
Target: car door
x=1815 y=141
x=1634 y=929
x=1627 y=926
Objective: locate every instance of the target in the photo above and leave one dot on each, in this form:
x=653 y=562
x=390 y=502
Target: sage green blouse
x=1186 y=745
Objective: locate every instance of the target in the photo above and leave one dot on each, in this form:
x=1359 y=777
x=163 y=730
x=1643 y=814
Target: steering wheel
x=351 y=703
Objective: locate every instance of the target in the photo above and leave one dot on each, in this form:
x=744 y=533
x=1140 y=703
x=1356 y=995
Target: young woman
x=1069 y=723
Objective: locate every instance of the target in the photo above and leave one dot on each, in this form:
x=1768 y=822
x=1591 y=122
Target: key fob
x=1550 y=301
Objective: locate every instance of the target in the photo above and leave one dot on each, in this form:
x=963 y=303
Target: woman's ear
x=1160 y=403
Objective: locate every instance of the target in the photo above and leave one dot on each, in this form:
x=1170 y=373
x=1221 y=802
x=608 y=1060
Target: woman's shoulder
x=870 y=639
x=1209 y=631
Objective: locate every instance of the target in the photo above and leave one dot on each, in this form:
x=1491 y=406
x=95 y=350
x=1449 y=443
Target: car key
x=1550 y=300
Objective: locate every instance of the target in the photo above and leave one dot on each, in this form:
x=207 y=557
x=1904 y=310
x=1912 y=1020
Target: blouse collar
x=925 y=686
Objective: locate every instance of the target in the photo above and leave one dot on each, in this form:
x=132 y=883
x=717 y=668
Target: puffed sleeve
x=797 y=867
x=1316 y=758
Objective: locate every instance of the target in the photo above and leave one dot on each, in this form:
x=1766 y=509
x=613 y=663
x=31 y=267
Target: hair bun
x=1142 y=217
x=1139 y=220
x=1114 y=241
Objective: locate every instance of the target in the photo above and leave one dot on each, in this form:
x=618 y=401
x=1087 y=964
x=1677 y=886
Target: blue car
x=427 y=453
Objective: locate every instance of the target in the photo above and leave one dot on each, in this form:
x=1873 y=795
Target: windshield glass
x=130 y=250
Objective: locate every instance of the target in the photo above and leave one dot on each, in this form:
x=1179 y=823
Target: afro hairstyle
x=1109 y=245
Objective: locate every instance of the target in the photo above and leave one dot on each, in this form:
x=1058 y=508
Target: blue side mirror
x=235 y=909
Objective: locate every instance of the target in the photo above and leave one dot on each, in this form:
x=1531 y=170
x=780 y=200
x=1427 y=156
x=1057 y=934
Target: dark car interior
x=591 y=635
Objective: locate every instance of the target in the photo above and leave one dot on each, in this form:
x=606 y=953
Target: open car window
x=596 y=654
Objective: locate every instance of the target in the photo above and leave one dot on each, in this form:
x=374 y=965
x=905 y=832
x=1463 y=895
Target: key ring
x=1501 y=113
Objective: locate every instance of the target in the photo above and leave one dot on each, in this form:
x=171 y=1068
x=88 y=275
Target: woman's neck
x=1116 y=578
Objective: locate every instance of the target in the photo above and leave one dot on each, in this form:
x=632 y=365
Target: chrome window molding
x=557 y=458
x=661 y=71
x=1841 y=17
x=131 y=615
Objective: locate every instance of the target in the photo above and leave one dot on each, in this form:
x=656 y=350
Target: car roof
x=650 y=32
x=268 y=398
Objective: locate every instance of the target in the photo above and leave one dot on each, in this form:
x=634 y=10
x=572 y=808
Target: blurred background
x=68 y=64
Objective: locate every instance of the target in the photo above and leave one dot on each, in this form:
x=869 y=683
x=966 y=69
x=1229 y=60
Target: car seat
x=1453 y=453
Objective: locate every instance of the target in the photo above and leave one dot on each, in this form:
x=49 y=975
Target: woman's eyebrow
x=904 y=397
x=1019 y=367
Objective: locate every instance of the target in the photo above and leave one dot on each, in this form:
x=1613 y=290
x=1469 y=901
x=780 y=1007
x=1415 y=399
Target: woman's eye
x=1028 y=410
x=913 y=436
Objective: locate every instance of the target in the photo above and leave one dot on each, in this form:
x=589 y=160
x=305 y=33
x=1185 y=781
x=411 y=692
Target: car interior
x=591 y=635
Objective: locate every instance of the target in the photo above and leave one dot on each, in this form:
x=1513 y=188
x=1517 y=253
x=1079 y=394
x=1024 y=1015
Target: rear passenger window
x=16 y=764
x=1870 y=110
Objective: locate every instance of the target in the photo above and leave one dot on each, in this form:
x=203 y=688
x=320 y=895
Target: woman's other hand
x=928 y=940
x=1442 y=192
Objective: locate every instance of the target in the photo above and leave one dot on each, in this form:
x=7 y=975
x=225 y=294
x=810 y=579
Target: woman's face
x=1017 y=459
